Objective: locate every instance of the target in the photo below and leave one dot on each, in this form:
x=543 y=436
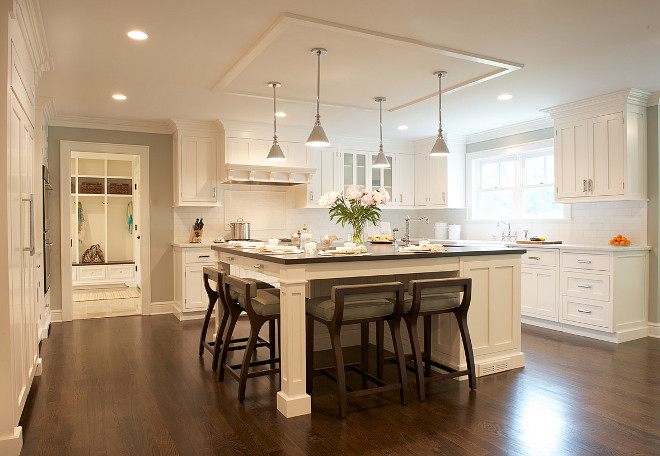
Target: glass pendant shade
x=381 y=160
x=440 y=147
x=317 y=137
x=275 y=153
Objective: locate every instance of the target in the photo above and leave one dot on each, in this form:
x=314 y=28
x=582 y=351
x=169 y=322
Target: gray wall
x=653 y=162
x=160 y=203
x=512 y=140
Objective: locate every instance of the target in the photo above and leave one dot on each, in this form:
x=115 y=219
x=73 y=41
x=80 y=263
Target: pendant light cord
x=318 y=86
x=274 y=113
x=440 y=104
x=380 y=102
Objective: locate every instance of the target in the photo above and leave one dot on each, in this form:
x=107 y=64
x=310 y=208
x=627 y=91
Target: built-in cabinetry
x=600 y=148
x=190 y=299
x=196 y=165
x=439 y=182
x=597 y=293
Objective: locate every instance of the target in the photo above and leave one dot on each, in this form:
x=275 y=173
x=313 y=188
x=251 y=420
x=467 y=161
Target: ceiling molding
x=508 y=130
x=297 y=101
x=286 y=19
x=654 y=99
x=30 y=21
x=97 y=123
x=46 y=107
x=632 y=96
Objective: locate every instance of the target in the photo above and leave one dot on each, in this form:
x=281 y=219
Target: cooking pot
x=239 y=230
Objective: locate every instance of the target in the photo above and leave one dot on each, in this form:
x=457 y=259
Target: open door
x=137 y=225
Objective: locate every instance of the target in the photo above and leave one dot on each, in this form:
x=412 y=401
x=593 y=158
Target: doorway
x=105 y=242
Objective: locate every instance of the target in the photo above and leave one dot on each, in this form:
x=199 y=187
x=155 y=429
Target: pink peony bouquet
x=356 y=207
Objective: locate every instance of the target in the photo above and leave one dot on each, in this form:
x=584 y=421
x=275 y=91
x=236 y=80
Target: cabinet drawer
x=91 y=273
x=250 y=264
x=540 y=257
x=592 y=286
x=120 y=271
x=195 y=255
x=586 y=261
x=586 y=312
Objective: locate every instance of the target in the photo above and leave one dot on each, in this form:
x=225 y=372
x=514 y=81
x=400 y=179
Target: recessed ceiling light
x=280 y=114
x=505 y=97
x=137 y=35
x=498 y=124
x=119 y=96
x=402 y=127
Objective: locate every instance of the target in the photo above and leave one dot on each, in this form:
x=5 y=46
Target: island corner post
x=493 y=319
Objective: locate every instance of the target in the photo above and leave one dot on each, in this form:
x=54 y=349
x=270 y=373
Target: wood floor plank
x=136 y=386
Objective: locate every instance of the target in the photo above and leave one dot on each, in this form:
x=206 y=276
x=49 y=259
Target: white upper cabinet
x=600 y=148
x=406 y=179
x=439 y=182
x=196 y=171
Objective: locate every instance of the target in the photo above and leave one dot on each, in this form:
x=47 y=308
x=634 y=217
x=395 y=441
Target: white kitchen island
x=493 y=319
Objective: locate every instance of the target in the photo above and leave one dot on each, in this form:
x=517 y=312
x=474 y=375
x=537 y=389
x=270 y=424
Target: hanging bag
x=94 y=254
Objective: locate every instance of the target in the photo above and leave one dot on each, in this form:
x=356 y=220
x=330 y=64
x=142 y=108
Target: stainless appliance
x=239 y=230
x=48 y=244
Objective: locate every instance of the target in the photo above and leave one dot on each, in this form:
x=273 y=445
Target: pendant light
x=317 y=137
x=381 y=160
x=275 y=153
x=440 y=147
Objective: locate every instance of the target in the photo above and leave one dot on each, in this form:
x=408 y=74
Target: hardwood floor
x=135 y=386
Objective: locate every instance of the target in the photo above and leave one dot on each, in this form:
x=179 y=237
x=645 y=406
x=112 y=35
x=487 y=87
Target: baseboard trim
x=44 y=330
x=56 y=316
x=161 y=307
x=12 y=444
x=616 y=338
x=654 y=330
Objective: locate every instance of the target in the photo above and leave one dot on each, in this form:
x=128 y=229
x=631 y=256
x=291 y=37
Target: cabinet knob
x=584 y=311
x=258 y=266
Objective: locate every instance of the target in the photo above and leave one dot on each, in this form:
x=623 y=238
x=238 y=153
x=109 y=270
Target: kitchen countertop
x=583 y=247
x=188 y=245
x=378 y=252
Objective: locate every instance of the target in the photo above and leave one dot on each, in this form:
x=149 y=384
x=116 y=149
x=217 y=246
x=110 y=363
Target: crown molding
x=46 y=107
x=201 y=127
x=630 y=96
x=508 y=130
x=98 y=123
x=654 y=99
x=30 y=21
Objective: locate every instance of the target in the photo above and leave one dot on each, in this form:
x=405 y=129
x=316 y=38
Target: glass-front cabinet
x=358 y=170
x=355 y=169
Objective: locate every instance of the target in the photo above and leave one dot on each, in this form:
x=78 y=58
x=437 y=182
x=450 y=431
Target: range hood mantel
x=255 y=174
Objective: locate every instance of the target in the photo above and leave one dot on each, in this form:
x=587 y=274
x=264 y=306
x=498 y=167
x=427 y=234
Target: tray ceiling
x=360 y=65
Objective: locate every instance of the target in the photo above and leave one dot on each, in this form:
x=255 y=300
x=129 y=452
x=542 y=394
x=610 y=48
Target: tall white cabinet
x=19 y=315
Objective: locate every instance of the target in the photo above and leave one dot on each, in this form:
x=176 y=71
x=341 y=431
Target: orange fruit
x=619 y=236
x=611 y=241
x=628 y=242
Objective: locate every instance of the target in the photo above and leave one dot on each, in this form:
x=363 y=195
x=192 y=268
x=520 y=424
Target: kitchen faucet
x=508 y=237
x=406 y=237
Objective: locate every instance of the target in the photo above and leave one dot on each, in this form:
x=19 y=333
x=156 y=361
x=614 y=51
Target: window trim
x=474 y=158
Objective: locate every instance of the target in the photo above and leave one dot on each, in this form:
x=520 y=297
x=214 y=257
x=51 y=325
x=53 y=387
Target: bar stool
x=357 y=304
x=261 y=306
x=430 y=297
x=211 y=274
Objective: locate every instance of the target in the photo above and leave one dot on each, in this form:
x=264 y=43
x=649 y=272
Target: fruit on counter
x=382 y=238
x=537 y=239
x=620 y=240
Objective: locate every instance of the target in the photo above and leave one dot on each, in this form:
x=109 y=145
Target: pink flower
x=368 y=199
x=385 y=195
x=353 y=193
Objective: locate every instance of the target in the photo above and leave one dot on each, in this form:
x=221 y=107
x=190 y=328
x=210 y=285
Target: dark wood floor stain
x=136 y=386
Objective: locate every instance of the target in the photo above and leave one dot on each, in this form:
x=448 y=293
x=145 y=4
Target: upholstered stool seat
x=324 y=308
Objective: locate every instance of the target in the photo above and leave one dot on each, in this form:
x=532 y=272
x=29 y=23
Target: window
x=514 y=185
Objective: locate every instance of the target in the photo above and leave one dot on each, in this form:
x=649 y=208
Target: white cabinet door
x=198 y=169
x=354 y=170
x=406 y=179
x=529 y=291
x=421 y=180
x=605 y=144
x=329 y=170
x=194 y=298
x=572 y=167
x=437 y=181
x=539 y=293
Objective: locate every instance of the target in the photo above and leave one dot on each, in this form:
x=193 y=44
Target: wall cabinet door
x=606 y=152
x=539 y=293
x=406 y=179
x=354 y=169
x=421 y=180
x=194 y=298
x=198 y=169
x=572 y=163
x=437 y=181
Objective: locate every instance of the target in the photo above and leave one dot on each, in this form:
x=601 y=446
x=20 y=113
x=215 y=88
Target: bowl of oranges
x=619 y=240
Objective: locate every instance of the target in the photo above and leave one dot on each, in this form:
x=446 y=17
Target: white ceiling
x=570 y=50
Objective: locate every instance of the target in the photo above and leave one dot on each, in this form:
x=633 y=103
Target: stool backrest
x=442 y=287
x=351 y=294
x=237 y=289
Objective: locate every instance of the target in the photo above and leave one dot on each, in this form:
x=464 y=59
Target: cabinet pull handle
x=591 y=185
x=204 y=256
x=534 y=258
x=215 y=192
x=584 y=186
x=258 y=266
x=230 y=258
x=311 y=196
x=583 y=286
x=584 y=311
x=584 y=261
x=401 y=197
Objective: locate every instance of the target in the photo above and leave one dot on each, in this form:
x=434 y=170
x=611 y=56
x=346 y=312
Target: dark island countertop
x=378 y=252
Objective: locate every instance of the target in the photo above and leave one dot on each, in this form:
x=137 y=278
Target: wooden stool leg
x=226 y=340
x=255 y=327
x=427 y=344
x=309 y=352
x=364 y=349
x=218 y=338
x=380 y=348
x=339 y=364
x=395 y=330
x=213 y=297
x=271 y=341
x=467 y=346
x=411 y=323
